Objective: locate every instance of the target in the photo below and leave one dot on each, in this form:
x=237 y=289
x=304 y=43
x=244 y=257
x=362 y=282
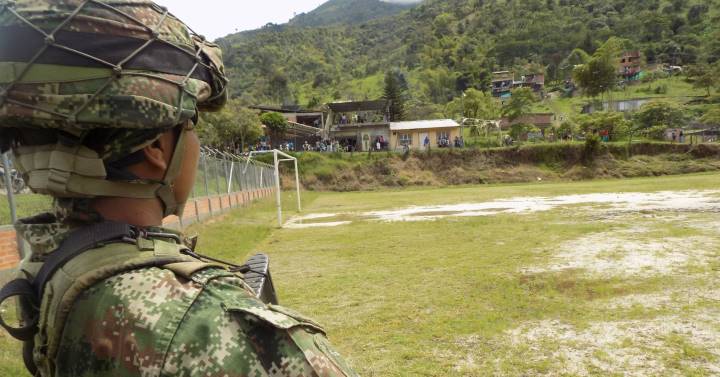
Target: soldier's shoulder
x=265 y=337
x=209 y=322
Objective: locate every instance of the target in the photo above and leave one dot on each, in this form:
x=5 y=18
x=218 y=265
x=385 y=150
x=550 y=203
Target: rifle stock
x=256 y=274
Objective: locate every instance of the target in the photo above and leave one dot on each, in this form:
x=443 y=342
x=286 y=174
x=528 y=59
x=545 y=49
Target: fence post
x=278 y=198
x=11 y=201
x=217 y=183
x=297 y=186
x=243 y=185
x=258 y=177
x=207 y=185
x=195 y=201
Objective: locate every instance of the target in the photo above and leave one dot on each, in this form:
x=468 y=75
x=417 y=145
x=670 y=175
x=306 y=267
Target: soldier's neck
x=138 y=212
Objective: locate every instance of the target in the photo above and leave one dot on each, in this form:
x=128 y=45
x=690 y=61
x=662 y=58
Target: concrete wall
x=196 y=210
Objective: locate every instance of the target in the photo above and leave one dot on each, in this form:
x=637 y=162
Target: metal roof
x=347 y=107
x=284 y=110
x=423 y=124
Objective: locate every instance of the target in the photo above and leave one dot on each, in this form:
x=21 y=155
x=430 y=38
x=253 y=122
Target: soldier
x=97 y=103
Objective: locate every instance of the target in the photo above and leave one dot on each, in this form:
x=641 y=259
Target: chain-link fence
x=222 y=173
x=219 y=174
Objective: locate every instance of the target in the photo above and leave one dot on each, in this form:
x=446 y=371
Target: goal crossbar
x=279 y=157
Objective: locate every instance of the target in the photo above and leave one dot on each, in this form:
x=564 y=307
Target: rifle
x=256 y=274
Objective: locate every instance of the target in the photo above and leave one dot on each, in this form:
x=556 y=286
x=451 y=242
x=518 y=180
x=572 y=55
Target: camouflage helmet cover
x=75 y=66
x=88 y=64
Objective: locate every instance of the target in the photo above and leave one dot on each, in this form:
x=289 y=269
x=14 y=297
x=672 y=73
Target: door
x=424 y=140
x=365 y=142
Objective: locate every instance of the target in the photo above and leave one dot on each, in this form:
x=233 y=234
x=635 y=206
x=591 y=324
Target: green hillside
x=446 y=46
x=347 y=12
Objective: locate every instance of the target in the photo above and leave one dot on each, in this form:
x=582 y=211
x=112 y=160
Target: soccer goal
x=278 y=158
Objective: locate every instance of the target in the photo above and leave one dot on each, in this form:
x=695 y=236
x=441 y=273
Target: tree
x=567 y=130
x=474 y=104
x=705 y=76
x=395 y=92
x=520 y=130
x=612 y=122
x=233 y=127
x=711 y=117
x=577 y=57
x=655 y=117
x=206 y=131
x=599 y=74
x=596 y=77
x=696 y=13
x=248 y=129
x=612 y=49
x=476 y=130
x=276 y=124
x=520 y=104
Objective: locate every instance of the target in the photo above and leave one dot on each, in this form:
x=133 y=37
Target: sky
x=218 y=18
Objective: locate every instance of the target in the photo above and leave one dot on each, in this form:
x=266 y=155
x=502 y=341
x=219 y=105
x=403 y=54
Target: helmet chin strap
x=166 y=191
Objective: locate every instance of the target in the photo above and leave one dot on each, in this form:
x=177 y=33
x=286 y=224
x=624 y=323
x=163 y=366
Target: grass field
x=26 y=204
x=608 y=288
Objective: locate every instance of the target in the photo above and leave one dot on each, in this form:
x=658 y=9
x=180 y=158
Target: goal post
x=278 y=158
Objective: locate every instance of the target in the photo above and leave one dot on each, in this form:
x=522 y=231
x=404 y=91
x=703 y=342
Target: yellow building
x=421 y=134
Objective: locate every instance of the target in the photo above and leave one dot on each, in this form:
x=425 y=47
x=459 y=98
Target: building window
x=405 y=139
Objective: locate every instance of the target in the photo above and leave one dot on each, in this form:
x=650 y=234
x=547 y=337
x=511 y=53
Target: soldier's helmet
x=85 y=84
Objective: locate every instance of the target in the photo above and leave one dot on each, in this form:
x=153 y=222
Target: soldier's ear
x=159 y=152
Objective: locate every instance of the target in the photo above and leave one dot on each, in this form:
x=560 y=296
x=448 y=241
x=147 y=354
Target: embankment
x=345 y=172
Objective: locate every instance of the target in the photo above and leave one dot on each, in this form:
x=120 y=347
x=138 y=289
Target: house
x=359 y=125
x=539 y=120
x=536 y=82
x=502 y=83
x=439 y=133
x=629 y=67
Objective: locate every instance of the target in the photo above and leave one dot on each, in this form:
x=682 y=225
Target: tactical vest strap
x=20 y=288
x=77 y=243
x=87 y=256
x=90 y=268
x=32 y=291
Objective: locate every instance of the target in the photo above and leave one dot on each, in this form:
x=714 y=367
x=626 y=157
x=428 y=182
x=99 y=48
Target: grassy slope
x=403 y=300
x=677 y=90
x=553 y=161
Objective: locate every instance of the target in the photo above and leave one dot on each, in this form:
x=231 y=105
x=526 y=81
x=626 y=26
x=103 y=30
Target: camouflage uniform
x=152 y=322
x=85 y=84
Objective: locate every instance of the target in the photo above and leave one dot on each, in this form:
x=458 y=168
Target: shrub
x=591 y=150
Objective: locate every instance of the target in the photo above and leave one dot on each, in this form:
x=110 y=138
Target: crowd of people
x=324 y=146
x=363 y=117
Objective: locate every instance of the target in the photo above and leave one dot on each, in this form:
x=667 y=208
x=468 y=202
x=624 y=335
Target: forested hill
x=349 y=12
x=447 y=45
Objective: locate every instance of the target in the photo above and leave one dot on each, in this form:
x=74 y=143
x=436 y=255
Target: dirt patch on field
x=645 y=347
x=628 y=253
x=611 y=202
